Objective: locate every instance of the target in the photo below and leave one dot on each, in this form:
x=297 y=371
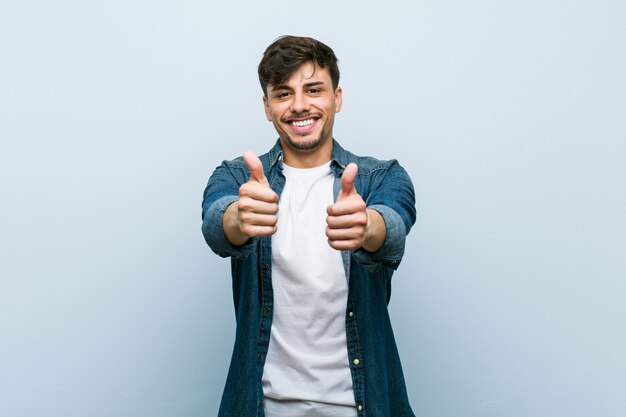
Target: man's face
x=303 y=108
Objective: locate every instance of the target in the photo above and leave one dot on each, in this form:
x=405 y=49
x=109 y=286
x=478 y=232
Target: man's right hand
x=255 y=213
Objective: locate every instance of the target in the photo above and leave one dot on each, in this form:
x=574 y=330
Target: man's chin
x=304 y=144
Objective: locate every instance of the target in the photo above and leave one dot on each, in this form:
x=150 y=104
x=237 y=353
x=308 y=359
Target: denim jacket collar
x=339 y=157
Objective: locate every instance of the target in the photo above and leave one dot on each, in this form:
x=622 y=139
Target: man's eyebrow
x=280 y=87
x=313 y=84
x=286 y=87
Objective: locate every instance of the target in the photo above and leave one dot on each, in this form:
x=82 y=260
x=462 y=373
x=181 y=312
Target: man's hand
x=254 y=214
x=350 y=224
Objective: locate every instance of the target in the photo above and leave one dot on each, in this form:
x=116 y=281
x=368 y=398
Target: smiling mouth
x=302 y=123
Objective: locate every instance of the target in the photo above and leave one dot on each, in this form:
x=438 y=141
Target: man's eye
x=314 y=90
x=282 y=95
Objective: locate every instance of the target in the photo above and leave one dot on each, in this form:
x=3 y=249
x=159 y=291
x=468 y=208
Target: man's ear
x=266 y=107
x=338 y=99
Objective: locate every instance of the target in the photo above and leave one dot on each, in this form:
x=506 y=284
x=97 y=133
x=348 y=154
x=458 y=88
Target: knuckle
x=269 y=230
x=244 y=189
x=244 y=203
x=361 y=220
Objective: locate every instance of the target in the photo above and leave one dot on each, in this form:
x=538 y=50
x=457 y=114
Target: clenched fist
x=255 y=213
x=350 y=225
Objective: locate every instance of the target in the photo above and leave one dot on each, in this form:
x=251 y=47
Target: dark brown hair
x=288 y=53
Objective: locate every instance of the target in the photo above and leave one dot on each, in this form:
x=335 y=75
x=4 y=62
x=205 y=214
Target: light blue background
x=509 y=116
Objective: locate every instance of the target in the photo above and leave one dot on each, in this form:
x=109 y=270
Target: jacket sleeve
x=393 y=197
x=221 y=191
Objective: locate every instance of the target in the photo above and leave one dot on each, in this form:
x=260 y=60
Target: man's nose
x=300 y=103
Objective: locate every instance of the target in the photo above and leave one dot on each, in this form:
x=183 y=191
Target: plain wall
x=508 y=115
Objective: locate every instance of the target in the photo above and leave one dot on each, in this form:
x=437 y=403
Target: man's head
x=300 y=80
x=288 y=53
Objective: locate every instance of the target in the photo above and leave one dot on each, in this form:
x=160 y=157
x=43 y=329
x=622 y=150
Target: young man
x=314 y=233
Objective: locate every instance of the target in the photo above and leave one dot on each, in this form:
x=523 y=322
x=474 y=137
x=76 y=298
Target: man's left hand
x=350 y=225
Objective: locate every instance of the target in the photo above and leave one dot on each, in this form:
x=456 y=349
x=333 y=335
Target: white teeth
x=303 y=123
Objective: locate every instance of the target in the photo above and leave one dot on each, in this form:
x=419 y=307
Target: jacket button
x=351 y=314
x=360 y=407
x=268 y=309
x=356 y=361
x=259 y=356
x=266 y=266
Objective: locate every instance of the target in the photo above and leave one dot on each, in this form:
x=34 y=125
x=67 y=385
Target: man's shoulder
x=367 y=164
x=370 y=164
x=238 y=164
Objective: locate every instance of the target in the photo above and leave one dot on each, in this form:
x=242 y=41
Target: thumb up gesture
x=255 y=213
x=350 y=225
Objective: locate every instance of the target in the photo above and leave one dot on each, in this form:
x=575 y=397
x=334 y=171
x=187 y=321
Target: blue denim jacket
x=379 y=388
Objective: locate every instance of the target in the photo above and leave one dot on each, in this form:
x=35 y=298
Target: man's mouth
x=303 y=124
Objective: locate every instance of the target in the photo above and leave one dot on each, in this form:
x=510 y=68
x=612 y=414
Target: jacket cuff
x=390 y=254
x=214 y=233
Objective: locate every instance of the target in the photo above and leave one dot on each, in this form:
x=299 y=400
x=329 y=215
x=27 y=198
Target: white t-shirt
x=307 y=371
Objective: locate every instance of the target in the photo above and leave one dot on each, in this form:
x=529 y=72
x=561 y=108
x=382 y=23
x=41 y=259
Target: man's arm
x=254 y=213
x=375 y=233
x=234 y=213
x=231 y=227
x=350 y=224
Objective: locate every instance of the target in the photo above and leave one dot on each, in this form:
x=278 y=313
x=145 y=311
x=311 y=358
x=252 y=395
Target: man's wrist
x=230 y=225
x=375 y=231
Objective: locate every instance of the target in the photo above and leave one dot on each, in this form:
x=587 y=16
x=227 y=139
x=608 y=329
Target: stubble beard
x=305 y=144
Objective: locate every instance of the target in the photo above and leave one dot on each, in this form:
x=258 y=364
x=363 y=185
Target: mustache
x=296 y=116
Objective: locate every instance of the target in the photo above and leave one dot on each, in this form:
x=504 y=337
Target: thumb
x=256 y=167
x=347 y=179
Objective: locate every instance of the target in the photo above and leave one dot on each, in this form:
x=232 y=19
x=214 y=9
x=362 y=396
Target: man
x=314 y=233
